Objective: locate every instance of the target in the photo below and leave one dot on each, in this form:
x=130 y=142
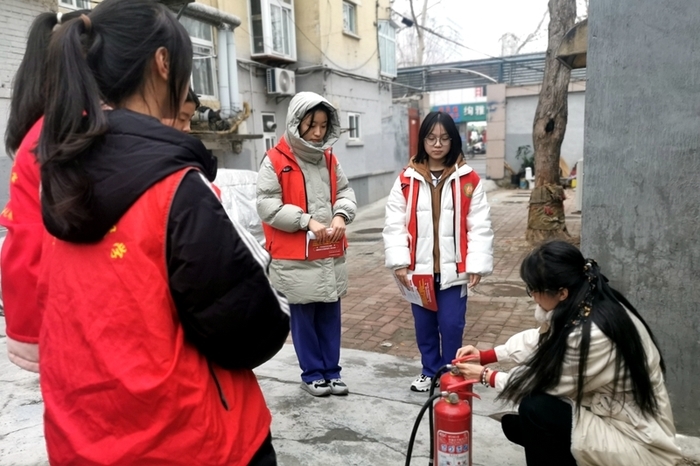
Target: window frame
x=352 y=18
x=387 y=67
x=204 y=43
x=356 y=128
x=264 y=29
x=73 y=4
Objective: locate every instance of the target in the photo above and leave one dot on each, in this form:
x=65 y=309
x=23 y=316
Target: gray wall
x=5 y=161
x=520 y=114
x=15 y=18
x=642 y=184
x=371 y=165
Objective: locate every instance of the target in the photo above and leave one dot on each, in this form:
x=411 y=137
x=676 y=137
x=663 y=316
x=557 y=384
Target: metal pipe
x=234 y=96
x=213 y=16
x=224 y=79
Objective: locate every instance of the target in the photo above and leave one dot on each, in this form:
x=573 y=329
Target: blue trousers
x=439 y=334
x=316 y=337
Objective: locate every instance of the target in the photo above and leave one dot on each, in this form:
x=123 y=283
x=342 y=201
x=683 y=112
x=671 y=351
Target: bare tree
x=546 y=210
x=426 y=41
x=533 y=35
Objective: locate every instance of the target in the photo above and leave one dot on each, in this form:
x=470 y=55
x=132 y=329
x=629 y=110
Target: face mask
x=542 y=317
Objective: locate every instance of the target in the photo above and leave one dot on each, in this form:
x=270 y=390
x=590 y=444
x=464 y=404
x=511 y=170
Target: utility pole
x=425 y=99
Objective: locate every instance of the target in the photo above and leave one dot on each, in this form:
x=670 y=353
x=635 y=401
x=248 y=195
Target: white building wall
x=520 y=114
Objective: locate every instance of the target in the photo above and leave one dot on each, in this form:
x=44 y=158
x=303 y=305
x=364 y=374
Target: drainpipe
x=224 y=79
x=228 y=74
x=234 y=98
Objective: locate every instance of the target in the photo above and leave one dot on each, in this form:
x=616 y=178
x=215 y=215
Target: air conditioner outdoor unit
x=280 y=81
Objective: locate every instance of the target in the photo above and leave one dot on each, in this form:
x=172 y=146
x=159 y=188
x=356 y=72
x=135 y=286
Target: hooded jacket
x=404 y=250
x=302 y=281
x=156 y=308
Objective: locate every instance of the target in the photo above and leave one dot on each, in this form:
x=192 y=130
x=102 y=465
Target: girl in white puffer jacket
x=591 y=382
x=438 y=224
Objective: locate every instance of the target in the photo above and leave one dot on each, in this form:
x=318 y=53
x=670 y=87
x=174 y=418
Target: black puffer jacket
x=218 y=274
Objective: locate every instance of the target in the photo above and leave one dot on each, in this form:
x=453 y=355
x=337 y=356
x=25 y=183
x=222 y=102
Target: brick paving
x=376 y=318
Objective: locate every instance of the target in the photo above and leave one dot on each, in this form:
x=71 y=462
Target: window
x=354 y=126
x=270 y=142
x=350 y=18
x=272 y=26
x=76 y=4
x=269 y=127
x=387 y=47
x=203 y=67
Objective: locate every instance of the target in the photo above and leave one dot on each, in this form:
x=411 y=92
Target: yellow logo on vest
x=113 y=229
x=7 y=213
x=118 y=251
x=13 y=177
x=468 y=189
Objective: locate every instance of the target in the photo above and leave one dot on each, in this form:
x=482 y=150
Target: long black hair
x=28 y=98
x=103 y=57
x=558 y=265
x=430 y=120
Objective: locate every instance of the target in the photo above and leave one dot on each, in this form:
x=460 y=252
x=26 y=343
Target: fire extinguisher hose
x=435 y=378
x=428 y=404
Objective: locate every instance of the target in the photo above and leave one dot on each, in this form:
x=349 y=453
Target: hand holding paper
x=323 y=249
x=421 y=292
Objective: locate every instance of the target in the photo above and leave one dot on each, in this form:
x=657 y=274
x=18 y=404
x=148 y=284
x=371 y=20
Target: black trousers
x=543 y=427
x=265 y=456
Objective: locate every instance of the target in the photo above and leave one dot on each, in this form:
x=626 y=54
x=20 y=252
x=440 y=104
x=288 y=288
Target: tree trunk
x=546 y=210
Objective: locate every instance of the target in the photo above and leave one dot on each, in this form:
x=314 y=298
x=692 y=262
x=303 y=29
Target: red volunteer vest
x=281 y=244
x=467 y=183
x=121 y=385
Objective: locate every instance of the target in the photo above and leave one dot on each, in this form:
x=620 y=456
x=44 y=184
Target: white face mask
x=542 y=316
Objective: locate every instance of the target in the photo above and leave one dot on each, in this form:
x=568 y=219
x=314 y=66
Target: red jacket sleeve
x=21 y=250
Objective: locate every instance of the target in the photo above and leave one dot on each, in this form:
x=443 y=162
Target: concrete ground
x=372 y=425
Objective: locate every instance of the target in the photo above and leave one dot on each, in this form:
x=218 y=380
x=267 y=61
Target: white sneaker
x=421 y=384
x=317 y=387
x=338 y=387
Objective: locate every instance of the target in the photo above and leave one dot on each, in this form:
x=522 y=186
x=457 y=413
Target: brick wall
x=16 y=17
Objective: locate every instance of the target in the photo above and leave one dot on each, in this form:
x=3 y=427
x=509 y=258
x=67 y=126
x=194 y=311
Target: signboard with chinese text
x=462 y=113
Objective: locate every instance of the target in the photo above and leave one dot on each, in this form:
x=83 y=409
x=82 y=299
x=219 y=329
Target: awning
x=573 y=48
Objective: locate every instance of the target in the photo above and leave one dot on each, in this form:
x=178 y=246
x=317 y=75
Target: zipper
x=222 y=397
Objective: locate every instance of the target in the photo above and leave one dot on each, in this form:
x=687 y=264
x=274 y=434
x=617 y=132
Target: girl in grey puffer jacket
x=302 y=189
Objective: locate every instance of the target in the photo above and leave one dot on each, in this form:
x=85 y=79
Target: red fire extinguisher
x=453 y=381
x=453 y=426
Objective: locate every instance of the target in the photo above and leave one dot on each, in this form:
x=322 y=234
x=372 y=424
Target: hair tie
x=87 y=23
x=588 y=270
x=59 y=16
x=586 y=305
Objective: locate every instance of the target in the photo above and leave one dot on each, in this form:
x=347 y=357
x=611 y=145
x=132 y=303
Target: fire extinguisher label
x=452 y=448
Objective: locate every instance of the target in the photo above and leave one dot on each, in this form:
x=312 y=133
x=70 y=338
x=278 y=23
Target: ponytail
x=102 y=57
x=73 y=119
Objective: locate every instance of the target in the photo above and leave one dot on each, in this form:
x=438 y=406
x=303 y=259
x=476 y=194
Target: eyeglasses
x=432 y=140
x=529 y=291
